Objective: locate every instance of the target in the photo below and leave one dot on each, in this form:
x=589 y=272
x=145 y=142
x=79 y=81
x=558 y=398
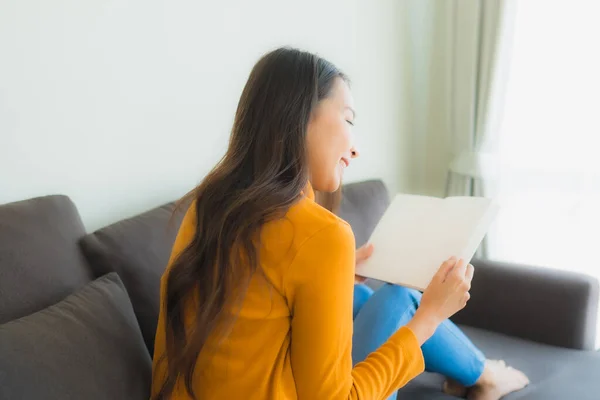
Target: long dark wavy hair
x=261 y=175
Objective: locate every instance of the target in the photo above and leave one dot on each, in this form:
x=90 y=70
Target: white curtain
x=481 y=39
x=549 y=183
x=549 y=186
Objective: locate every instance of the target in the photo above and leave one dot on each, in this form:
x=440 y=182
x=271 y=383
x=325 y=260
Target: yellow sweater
x=293 y=336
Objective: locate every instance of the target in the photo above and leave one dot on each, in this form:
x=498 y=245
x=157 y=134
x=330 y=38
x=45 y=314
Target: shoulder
x=324 y=253
x=323 y=240
x=308 y=225
x=311 y=220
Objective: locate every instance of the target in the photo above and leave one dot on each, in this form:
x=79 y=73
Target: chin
x=327 y=186
x=327 y=183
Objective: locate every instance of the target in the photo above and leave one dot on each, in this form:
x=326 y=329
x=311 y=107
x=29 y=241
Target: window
x=549 y=187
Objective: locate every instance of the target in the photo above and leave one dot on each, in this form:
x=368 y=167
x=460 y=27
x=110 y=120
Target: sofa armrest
x=540 y=304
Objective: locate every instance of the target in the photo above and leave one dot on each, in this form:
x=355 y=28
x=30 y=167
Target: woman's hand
x=447 y=294
x=448 y=291
x=362 y=255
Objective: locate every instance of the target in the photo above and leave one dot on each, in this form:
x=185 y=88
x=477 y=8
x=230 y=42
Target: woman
x=258 y=298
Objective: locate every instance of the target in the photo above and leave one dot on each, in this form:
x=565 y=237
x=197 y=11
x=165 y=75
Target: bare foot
x=497 y=380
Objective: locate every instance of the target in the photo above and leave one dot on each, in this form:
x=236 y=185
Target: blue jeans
x=377 y=315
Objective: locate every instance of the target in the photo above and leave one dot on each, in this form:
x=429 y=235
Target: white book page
x=474 y=216
x=417 y=233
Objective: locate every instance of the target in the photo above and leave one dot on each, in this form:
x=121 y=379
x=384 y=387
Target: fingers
x=466 y=298
x=445 y=269
x=466 y=284
x=448 y=292
x=364 y=253
x=460 y=269
x=469 y=273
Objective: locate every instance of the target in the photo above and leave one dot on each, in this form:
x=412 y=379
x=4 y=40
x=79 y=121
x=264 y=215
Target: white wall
x=124 y=105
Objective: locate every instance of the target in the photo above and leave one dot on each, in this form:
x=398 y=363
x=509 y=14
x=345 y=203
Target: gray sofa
x=78 y=311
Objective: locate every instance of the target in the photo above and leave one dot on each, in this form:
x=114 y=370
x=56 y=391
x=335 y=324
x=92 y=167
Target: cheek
x=345 y=138
x=340 y=140
x=328 y=140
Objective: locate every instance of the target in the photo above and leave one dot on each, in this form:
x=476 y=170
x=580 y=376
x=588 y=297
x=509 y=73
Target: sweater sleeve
x=319 y=286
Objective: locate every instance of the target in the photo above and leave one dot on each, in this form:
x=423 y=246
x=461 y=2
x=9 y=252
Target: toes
x=498 y=363
x=522 y=377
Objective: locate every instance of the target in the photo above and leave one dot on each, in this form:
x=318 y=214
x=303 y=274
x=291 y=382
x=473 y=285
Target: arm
x=319 y=287
x=541 y=304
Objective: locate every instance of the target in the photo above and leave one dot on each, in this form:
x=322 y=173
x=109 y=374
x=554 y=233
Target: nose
x=354 y=152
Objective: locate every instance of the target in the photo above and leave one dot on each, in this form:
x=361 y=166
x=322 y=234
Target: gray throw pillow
x=88 y=346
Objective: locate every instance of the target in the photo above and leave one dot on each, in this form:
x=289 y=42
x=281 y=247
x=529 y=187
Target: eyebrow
x=351 y=109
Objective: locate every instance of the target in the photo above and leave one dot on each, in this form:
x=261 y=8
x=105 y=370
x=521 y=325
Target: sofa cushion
x=40 y=262
x=88 y=346
x=363 y=205
x=555 y=372
x=138 y=249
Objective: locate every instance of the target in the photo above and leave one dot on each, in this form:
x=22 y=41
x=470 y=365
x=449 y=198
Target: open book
x=418 y=233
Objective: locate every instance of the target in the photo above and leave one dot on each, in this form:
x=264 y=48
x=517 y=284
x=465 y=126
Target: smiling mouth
x=345 y=162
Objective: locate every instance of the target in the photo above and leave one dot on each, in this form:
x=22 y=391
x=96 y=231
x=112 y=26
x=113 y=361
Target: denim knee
x=400 y=295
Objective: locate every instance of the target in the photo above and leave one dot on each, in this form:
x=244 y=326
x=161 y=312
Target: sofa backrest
x=40 y=262
x=363 y=205
x=139 y=248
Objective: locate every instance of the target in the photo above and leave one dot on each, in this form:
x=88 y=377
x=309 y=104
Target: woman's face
x=330 y=143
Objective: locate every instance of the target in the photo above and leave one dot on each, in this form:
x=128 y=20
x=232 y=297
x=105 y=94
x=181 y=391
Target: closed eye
x=350 y=122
